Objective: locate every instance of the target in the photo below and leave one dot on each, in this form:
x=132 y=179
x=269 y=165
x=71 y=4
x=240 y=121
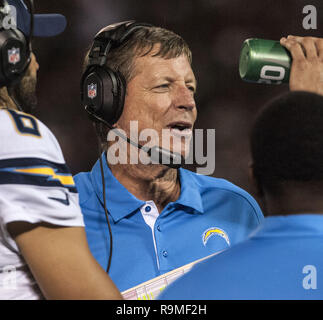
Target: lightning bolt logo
x=207 y=234
x=66 y=180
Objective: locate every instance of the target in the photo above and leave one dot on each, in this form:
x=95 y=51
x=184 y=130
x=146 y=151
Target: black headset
x=102 y=89
x=15 y=48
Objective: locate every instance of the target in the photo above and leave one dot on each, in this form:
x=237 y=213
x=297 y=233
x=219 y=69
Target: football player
x=43 y=247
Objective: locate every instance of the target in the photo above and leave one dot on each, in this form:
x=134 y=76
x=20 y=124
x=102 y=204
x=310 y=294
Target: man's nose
x=184 y=99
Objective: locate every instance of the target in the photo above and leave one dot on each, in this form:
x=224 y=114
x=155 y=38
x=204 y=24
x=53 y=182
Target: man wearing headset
x=43 y=248
x=161 y=217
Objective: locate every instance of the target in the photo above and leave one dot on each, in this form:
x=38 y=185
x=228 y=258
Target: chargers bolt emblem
x=207 y=234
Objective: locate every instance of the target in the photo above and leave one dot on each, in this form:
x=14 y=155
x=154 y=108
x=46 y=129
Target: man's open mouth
x=180 y=128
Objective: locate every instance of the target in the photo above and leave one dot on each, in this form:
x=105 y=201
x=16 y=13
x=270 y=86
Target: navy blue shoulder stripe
x=37 y=172
x=32 y=162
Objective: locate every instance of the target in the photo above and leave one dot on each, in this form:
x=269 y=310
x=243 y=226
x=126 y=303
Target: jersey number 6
x=24 y=123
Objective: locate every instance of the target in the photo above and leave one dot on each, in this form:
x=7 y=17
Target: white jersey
x=35 y=186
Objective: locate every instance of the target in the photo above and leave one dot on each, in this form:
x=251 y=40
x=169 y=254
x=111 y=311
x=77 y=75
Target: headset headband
x=102 y=89
x=111 y=37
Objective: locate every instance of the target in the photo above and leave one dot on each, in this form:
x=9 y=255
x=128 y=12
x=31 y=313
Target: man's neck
x=149 y=182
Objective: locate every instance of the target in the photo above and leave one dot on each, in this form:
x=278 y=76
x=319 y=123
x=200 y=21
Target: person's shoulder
x=82 y=178
x=207 y=182
x=219 y=185
x=23 y=135
x=84 y=186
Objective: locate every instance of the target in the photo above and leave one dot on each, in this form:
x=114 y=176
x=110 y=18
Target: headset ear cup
x=101 y=93
x=15 y=56
x=103 y=90
x=25 y=54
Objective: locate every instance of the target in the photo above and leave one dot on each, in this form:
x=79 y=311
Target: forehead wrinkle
x=161 y=67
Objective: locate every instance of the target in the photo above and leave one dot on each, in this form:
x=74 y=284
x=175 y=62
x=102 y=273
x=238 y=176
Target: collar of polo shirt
x=121 y=203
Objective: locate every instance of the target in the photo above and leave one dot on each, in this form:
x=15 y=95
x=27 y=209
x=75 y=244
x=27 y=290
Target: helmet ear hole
x=103 y=90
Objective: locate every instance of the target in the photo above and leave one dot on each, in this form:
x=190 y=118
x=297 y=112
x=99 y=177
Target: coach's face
x=161 y=96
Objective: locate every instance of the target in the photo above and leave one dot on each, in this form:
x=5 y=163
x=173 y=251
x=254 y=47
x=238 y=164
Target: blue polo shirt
x=283 y=260
x=210 y=215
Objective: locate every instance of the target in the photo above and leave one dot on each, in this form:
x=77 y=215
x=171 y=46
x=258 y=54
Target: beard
x=25 y=93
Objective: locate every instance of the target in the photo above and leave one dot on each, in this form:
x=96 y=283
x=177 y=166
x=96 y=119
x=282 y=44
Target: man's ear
x=255 y=184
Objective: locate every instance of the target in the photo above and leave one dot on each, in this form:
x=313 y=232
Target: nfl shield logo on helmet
x=91 y=90
x=14 y=55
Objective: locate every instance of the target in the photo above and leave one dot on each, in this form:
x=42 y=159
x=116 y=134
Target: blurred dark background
x=215 y=31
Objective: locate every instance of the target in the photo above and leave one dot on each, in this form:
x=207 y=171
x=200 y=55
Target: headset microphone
x=157 y=154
